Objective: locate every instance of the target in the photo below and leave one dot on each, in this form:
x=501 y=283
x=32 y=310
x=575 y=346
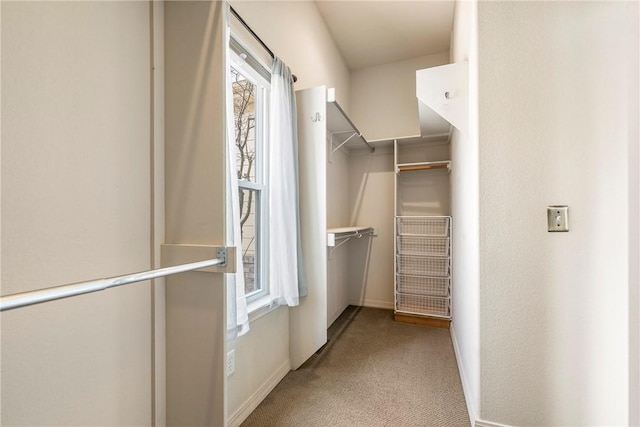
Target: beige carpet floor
x=372 y=372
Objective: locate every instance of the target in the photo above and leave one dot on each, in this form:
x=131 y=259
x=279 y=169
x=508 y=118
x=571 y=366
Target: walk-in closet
x=230 y=213
x=332 y=151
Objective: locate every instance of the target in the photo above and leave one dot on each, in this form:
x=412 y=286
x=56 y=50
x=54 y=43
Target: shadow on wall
x=360 y=254
x=364 y=167
x=371 y=198
x=358 y=200
x=196 y=86
x=359 y=260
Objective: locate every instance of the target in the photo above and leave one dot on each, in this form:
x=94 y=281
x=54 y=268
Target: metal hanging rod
x=24 y=299
x=407 y=167
x=357 y=234
x=255 y=36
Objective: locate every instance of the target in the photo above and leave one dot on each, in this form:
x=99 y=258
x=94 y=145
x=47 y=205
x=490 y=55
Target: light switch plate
x=557 y=218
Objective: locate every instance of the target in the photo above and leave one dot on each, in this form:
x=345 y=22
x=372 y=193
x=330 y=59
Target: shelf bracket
x=343 y=142
x=356 y=234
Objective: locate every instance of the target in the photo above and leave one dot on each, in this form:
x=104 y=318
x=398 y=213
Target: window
x=250 y=108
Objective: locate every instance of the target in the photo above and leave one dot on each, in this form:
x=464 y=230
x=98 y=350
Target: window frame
x=246 y=65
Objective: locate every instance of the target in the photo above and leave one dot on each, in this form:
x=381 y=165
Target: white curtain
x=237 y=316
x=286 y=270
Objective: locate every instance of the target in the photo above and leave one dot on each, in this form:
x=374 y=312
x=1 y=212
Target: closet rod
x=9 y=302
x=255 y=36
x=357 y=234
x=420 y=168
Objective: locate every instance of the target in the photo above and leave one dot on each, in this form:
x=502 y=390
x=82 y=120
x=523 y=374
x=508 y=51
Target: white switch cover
x=557 y=218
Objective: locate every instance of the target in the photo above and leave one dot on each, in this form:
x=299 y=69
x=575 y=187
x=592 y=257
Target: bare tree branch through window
x=244 y=109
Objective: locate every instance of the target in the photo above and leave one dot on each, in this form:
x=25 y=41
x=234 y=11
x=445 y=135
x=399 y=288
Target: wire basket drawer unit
x=422 y=304
x=421 y=245
x=418 y=265
x=423 y=225
x=422 y=285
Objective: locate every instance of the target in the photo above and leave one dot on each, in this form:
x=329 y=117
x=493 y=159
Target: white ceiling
x=378 y=32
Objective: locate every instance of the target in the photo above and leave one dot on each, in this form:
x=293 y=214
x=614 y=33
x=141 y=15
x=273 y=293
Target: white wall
x=195 y=78
x=337 y=216
x=553 y=114
x=315 y=60
x=338 y=284
x=255 y=376
x=634 y=218
x=371 y=188
x=383 y=98
x=76 y=206
x=424 y=192
x=308 y=320
x=301 y=39
x=465 y=329
x=157 y=219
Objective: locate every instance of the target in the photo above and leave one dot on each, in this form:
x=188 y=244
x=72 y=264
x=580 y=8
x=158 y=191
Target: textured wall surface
x=195 y=81
x=76 y=206
x=383 y=97
x=553 y=130
x=465 y=326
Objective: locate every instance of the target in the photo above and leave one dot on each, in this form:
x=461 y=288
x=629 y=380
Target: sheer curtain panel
x=286 y=270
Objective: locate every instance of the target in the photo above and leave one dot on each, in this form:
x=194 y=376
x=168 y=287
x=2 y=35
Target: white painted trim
x=260 y=307
x=260 y=394
x=466 y=388
x=482 y=423
x=373 y=303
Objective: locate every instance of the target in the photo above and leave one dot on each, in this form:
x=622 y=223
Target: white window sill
x=260 y=307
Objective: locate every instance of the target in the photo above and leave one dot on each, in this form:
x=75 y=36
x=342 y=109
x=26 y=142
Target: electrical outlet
x=231 y=362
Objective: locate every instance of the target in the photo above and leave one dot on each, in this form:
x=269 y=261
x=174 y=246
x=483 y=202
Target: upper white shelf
x=334 y=234
x=444 y=90
x=340 y=128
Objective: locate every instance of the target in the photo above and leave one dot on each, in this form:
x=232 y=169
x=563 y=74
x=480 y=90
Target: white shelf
x=340 y=233
x=443 y=90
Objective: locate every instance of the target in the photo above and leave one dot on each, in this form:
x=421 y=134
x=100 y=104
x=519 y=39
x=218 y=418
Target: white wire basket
x=418 y=265
x=422 y=285
x=421 y=304
x=423 y=225
x=418 y=245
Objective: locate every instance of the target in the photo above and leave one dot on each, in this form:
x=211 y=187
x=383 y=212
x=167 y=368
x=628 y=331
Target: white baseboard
x=466 y=388
x=373 y=303
x=482 y=423
x=256 y=398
